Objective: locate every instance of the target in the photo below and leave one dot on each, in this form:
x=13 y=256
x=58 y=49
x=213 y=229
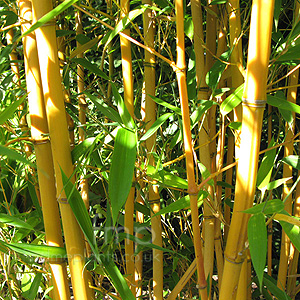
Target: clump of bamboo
x=45 y=169
x=253 y=107
x=58 y=129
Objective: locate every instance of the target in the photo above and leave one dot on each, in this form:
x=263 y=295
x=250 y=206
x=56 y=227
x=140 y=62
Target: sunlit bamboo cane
x=58 y=129
x=129 y=102
x=253 y=108
x=39 y=129
x=192 y=186
x=288 y=172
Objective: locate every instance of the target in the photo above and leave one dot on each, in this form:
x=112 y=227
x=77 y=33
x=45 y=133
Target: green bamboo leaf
x=83 y=48
x=34 y=287
x=199 y=111
x=215 y=73
x=14 y=221
x=36 y=250
x=272 y=287
x=93 y=68
x=267 y=208
x=123 y=111
x=257 y=237
x=121 y=170
x=104 y=108
x=235 y=125
x=166 y=104
x=215 y=2
x=293 y=161
x=166 y=178
x=232 y=101
x=205 y=173
x=292 y=231
x=50 y=15
x=155 y=126
x=276 y=183
x=279 y=103
x=116 y=277
x=10 y=110
x=79 y=210
x=182 y=203
x=291 y=54
x=14 y=155
x=265 y=169
x=143 y=243
x=123 y=24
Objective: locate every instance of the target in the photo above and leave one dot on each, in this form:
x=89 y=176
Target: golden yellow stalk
x=192 y=186
x=287 y=172
x=129 y=102
x=58 y=129
x=253 y=108
x=39 y=129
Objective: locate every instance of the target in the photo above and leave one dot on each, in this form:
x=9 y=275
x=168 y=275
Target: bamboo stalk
x=192 y=186
x=288 y=172
x=45 y=169
x=253 y=108
x=150 y=117
x=56 y=116
x=129 y=102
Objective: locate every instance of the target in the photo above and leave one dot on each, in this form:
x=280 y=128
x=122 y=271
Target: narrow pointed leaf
x=10 y=110
x=182 y=203
x=121 y=171
x=166 y=178
x=265 y=169
x=277 y=102
x=105 y=109
x=269 y=207
x=79 y=210
x=50 y=15
x=166 y=104
x=116 y=277
x=123 y=111
x=232 y=101
x=34 y=287
x=13 y=155
x=14 y=221
x=155 y=126
x=293 y=161
x=257 y=236
x=274 y=289
x=36 y=250
x=276 y=183
x=93 y=68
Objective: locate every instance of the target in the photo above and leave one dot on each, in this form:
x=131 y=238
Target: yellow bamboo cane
x=150 y=117
x=129 y=102
x=287 y=172
x=58 y=129
x=192 y=186
x=253 y=107
x=39 y=129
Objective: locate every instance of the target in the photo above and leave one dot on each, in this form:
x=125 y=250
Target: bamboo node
x=239 y=260
x=41 y=141
x=153 y=201
x=254 y=103
x=62 y=200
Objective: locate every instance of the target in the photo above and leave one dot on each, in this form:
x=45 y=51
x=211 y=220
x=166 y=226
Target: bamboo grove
x=149 y=149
